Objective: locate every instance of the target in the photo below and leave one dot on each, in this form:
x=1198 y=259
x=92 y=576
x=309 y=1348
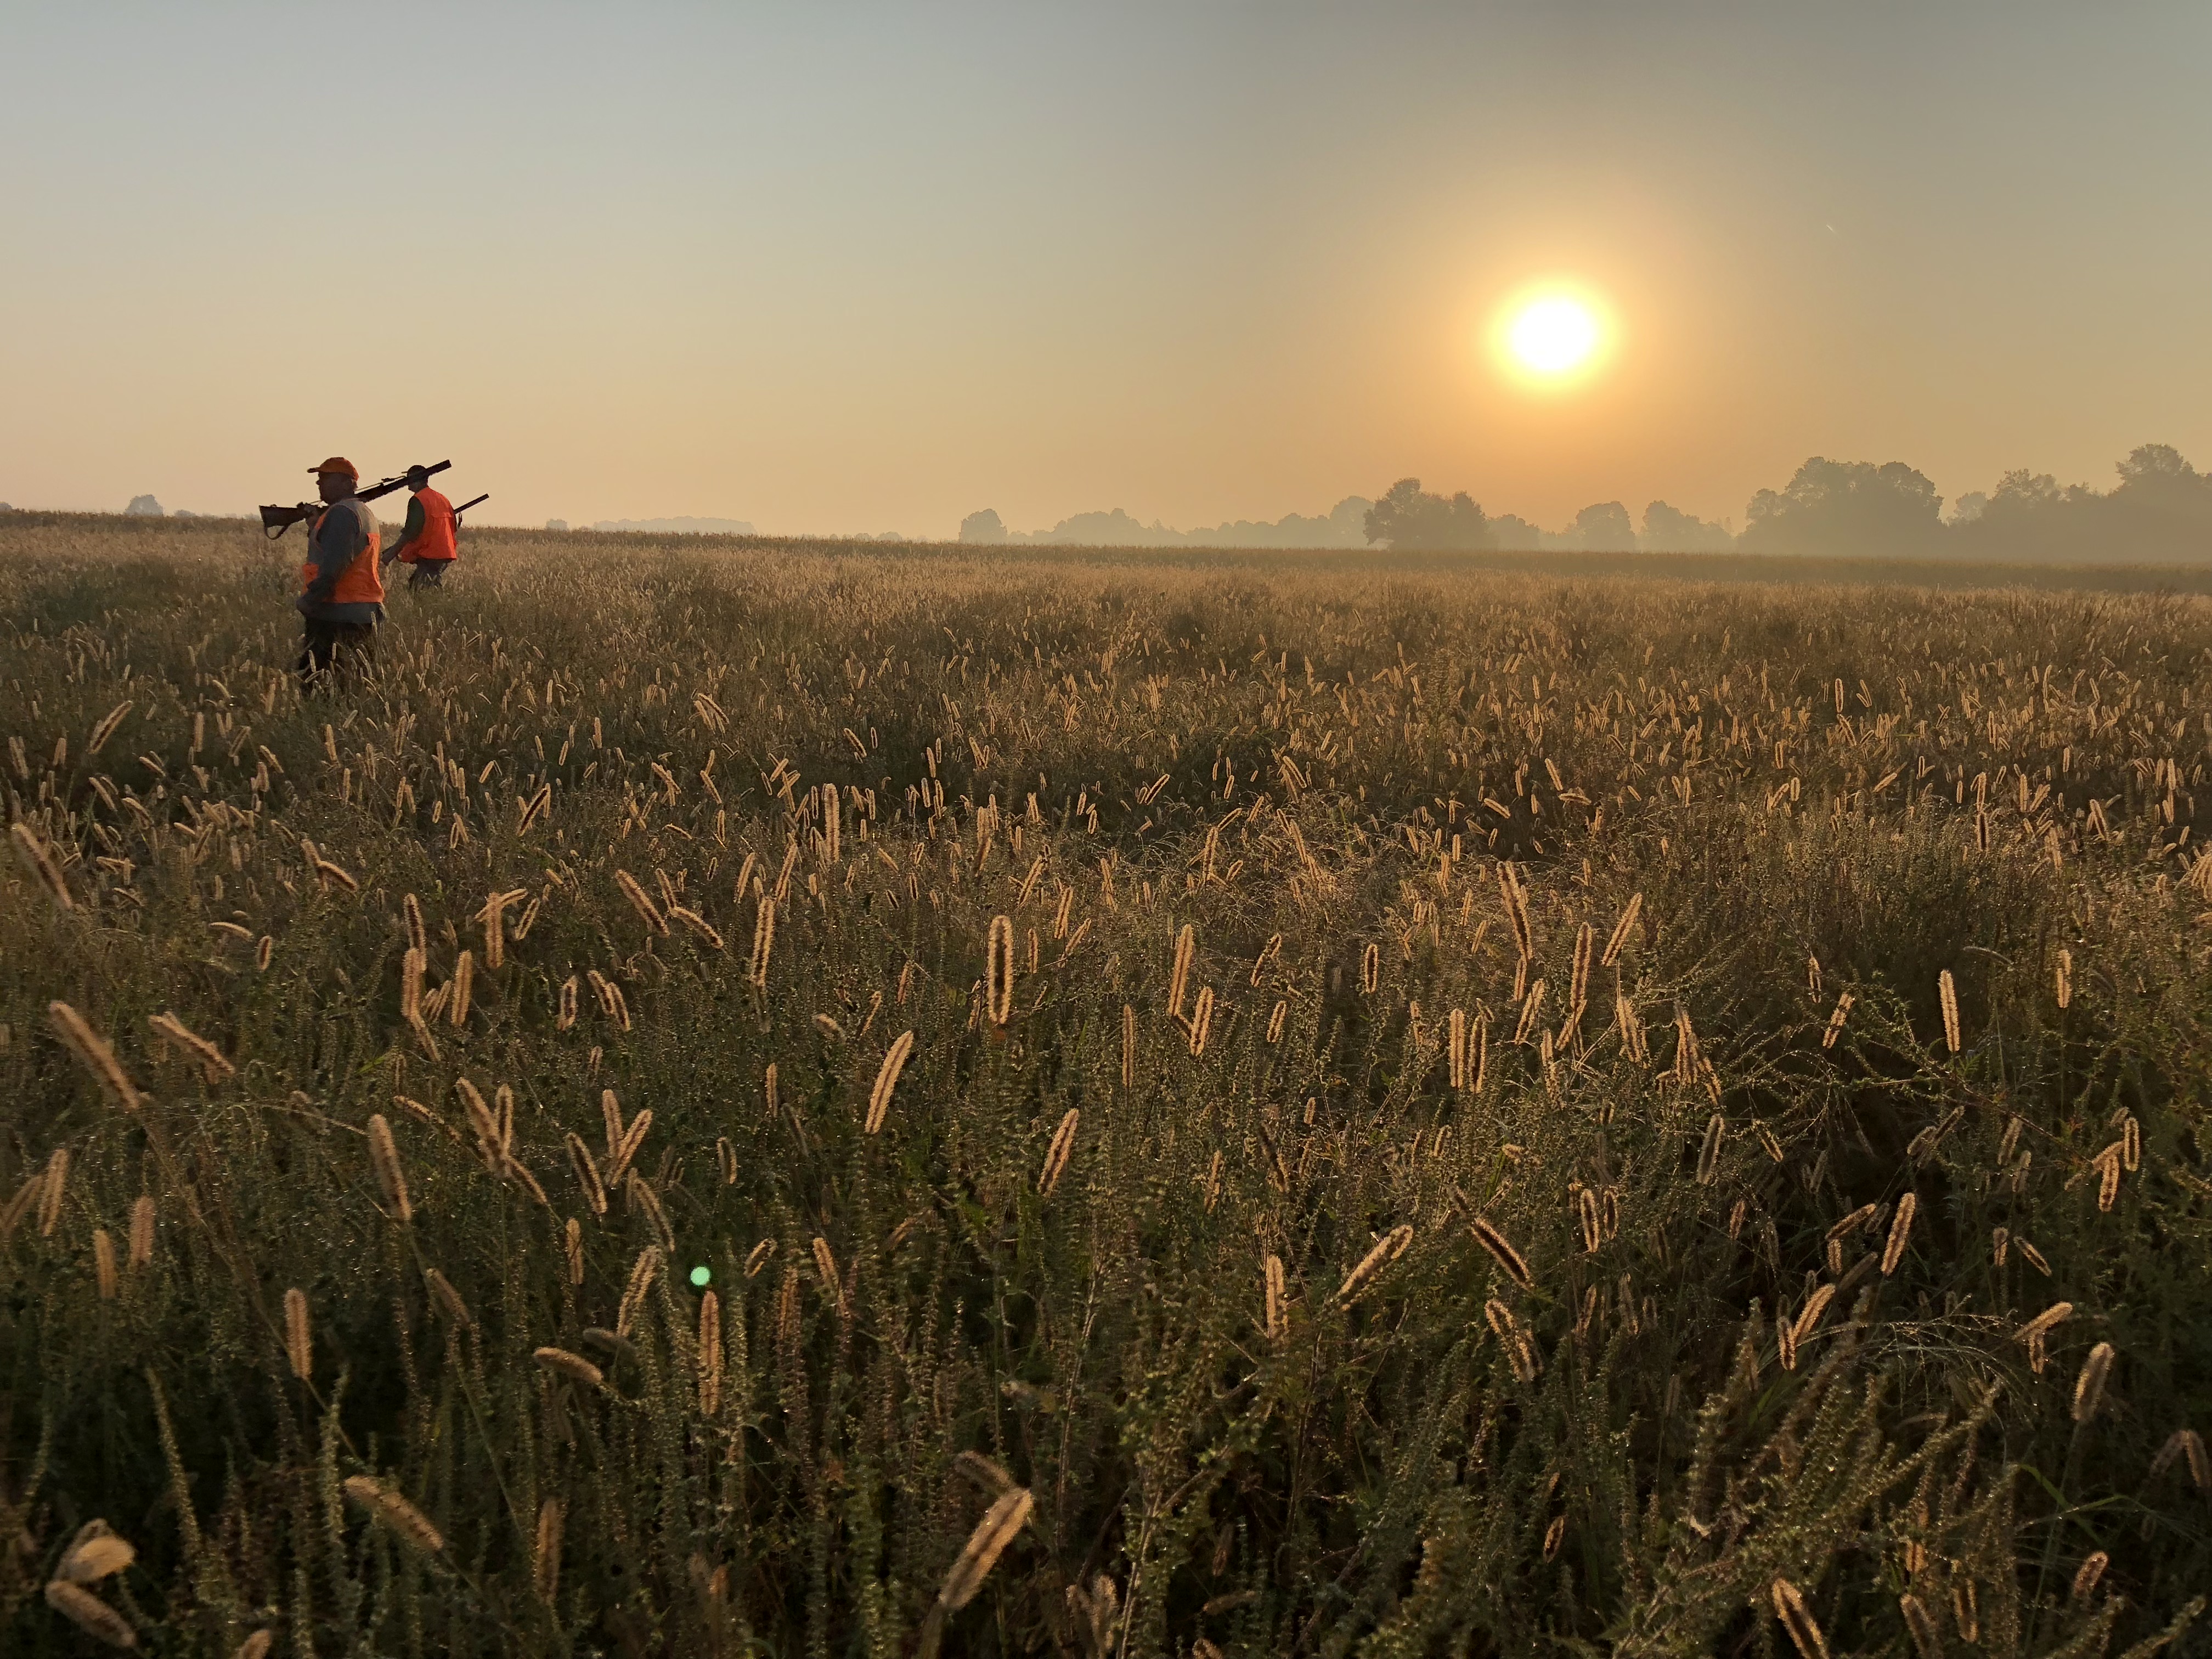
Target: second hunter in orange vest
x=434 y=543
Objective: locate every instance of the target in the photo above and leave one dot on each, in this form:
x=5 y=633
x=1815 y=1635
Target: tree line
x=2159 y=511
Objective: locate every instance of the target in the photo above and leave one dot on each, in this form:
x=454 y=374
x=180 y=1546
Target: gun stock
x=276 y=520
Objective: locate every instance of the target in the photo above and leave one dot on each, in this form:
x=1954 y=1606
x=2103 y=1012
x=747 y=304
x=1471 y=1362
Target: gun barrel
x=391 y=484
x=466 y=505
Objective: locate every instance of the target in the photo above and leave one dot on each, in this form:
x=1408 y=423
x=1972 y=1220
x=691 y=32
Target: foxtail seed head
x=1502 y=1252
x=299 y=1347
x=89 y=1613
x=103 y=1263
x=384 y=1158
x=395 y=1514
x=1797 y=1619
x=2089 y=1386
x=93 y=1053
x=94 y=1554
x=1056 y=1155
x=1900 y=1232
x=887 y=1077
x=572 y=1365
x=143 y=1217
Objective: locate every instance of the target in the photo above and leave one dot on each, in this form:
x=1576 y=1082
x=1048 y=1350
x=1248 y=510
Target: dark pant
x=335 y=652
x=430 y=572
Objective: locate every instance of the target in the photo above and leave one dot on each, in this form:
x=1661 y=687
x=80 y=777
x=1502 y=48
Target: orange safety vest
x=360 y=582
x=436 y=545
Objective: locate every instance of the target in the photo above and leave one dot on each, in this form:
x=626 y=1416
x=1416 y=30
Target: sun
x=1551 y=336
x=1554 y=336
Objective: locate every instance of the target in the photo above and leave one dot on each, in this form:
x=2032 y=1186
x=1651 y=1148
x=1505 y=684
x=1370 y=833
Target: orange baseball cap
x=338 y=463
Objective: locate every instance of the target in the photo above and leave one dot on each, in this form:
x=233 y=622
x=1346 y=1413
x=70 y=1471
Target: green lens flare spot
x=700 y=1276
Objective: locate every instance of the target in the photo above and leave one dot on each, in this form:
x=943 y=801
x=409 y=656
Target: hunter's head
x=419 y=477
x=336 y=478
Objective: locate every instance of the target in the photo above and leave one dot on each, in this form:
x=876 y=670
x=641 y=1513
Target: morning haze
x=878 y=269
x=1111 y=832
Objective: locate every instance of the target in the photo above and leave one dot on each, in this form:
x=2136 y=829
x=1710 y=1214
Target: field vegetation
x=775 y=1101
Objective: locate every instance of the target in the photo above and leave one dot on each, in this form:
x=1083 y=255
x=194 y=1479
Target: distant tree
x=1968 y=507
x=1511 y=533
x=144 y=507
x=1408 y=520
x=1846 y=507
x=1603 y=527
x=1114 y=527
x=1344 y=526
x=984 y=527
x=1670 y=529
x=2161 y=510
x=2155 y=465
x=2023 y=491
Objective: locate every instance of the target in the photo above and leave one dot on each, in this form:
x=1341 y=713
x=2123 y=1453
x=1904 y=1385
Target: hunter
x=342 y=592
x=427 y=544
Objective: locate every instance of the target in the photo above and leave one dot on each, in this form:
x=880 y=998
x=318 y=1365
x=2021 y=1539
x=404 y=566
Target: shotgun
x=276 y=520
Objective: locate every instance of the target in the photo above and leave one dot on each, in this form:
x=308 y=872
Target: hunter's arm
x=412 y=530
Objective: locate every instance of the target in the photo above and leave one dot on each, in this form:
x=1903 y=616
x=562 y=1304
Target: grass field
x=759 y=1100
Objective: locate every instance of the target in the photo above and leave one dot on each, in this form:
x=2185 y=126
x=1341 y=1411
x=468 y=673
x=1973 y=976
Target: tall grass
x=823 y=1103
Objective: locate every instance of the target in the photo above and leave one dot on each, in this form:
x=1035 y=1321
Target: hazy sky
x=841 y=267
